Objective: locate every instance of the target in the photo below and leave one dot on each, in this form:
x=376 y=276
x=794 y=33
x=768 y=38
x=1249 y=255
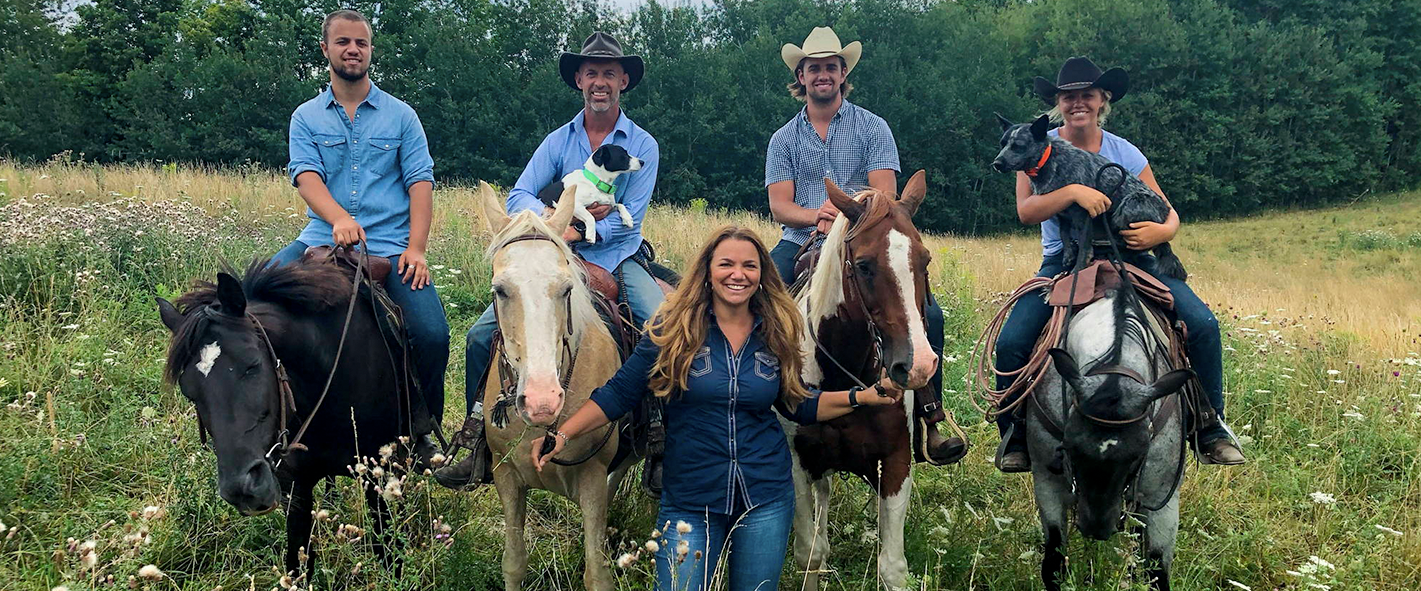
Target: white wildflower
x=153 y=512
x=625 y=560
x=1333 y=372
x=652 y=546
x=150 y=573
x=683 y=527
x=1322 y=498
x=682 y=548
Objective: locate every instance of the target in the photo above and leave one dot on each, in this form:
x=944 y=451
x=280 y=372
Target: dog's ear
x=495 y=217
x=599 y=156
x=1006 y=123
x=1039 y=127
x=846 y=204
x=914 y=192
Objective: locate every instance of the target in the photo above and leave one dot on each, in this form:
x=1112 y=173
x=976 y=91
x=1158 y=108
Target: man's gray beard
x=600 y=107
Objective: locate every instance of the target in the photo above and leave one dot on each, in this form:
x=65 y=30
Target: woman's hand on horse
x=539 y=458
x=1145 y=235
x=1091 y=200
x=413 y=266
x=346 y=232
x=888 y=393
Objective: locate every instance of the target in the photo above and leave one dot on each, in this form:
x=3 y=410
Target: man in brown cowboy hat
x=601 y=72
x=831 y=137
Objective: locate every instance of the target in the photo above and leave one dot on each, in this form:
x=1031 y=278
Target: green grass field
x=103 y=474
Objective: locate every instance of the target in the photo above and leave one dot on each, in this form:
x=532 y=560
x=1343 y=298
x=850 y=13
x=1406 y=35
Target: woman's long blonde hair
x=680 y=324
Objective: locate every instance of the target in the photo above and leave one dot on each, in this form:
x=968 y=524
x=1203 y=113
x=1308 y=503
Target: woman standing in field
x=1080 y=101
x=723 y=350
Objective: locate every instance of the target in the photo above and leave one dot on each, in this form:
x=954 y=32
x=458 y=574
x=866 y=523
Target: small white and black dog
x=1131 y=200
x=595 y=184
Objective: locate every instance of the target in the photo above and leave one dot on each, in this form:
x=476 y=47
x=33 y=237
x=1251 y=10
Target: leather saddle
x=377 y=270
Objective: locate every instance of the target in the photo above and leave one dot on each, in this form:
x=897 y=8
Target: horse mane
x=826 y=285
x=527 y=222
x=1128 y=326
x=302 y=286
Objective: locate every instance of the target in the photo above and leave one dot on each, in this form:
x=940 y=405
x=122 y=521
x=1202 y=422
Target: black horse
x=234 y=343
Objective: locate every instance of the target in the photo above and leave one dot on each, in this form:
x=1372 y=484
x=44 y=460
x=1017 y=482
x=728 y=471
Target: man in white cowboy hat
x=831 y=137
x=601 y=72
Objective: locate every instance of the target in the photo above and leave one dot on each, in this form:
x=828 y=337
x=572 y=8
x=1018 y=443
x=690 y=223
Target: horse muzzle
x=252 y=492
x=541 y=403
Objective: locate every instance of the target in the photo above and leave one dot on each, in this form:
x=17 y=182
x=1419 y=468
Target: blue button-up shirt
x=367 y=164
x=565 y=150
x=858 y=142
x=725 y=449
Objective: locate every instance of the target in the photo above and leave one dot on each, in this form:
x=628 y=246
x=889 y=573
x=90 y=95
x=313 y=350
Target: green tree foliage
x=1239 y=104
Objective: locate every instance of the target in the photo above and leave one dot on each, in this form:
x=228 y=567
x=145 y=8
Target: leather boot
x=477 y=466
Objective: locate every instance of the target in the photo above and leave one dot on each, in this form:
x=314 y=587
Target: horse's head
x=1107 y=436
x=223 y=366
x=540 y=298
x=885 y=275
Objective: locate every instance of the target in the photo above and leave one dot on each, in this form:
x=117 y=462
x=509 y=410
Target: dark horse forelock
x=296 y=287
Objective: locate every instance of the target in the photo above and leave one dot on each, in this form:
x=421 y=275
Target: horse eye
x=499 y=291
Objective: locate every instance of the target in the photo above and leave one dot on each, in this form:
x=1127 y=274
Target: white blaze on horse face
x=1105 y=445
x=208 y=357
x=542 y=325
x=924 y=360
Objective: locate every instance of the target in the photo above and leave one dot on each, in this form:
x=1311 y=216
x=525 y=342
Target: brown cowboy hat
x=603 y=47
x=1080 y=72
x=822 y=42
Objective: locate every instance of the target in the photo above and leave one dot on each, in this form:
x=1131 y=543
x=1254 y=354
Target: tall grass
x=1320 y=309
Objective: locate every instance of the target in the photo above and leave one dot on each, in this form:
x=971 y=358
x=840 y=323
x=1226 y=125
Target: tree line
x=1239 y=104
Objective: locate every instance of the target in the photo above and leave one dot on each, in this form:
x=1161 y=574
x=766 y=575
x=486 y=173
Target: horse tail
x=1169 y=264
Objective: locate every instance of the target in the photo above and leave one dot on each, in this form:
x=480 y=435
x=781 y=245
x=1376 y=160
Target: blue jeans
x=643 y=296
x=1205 y=348
x=927 y=399
x=425 y=323
x=753 y=541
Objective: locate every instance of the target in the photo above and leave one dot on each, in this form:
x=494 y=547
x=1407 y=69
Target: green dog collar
x=601 y=185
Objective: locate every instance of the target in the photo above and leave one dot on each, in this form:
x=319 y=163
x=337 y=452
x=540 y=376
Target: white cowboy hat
x=822 y=42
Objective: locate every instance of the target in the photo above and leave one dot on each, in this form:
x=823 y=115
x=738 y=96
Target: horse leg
x=811 y=524
x=892 y=511
x=1053 y=500
x=298 y=527
x=592 y=498
x=514 y=495
x=1157 y=543
x=381 y=539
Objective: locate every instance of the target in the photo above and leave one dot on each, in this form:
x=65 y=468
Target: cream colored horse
x=549 y=328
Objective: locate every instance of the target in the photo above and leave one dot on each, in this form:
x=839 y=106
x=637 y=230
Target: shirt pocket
x=335 y=153
x=701 y=363
x=767 y=366
x=383 y=155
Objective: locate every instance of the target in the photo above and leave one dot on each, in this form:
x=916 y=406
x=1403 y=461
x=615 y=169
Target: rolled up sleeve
x=627 y=387
x=806 y=413
x=415 y=162
x=302 y=152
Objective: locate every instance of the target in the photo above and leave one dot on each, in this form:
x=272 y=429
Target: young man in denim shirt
x=360 y=160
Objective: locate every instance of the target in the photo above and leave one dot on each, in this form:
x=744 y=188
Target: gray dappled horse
x=1105 y=429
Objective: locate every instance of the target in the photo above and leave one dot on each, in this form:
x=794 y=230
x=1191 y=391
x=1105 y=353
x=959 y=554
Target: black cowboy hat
x=1080 y=72
x=600 y=46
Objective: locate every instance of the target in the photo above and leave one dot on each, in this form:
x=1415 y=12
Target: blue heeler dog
x=1024 y=144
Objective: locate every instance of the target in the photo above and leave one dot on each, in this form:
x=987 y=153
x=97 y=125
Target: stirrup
x=1002 y=451
x=923 y=451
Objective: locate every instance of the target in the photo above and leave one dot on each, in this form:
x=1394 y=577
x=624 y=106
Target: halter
x=508 y=375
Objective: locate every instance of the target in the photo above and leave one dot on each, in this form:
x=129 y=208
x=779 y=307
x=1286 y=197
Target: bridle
x=508 y=374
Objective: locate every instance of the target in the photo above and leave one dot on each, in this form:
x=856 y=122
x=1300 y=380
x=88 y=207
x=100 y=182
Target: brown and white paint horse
x=557 y=351
x=863 y=305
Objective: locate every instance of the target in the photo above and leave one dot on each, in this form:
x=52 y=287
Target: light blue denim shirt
x=565 y=150
x=368 y=164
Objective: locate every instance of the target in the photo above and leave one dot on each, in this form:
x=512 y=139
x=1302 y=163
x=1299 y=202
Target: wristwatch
x=854 y=397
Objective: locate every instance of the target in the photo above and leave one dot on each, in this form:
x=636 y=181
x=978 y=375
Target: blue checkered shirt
x=858 y=142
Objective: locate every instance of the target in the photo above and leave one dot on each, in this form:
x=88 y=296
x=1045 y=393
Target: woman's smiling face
x=1081 y=108
x=734 y=272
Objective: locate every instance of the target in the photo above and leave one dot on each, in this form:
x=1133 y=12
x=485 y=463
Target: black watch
x=854 y=397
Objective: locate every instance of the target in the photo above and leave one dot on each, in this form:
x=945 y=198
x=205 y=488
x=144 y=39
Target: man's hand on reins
x=414 y=266
x=347 y=231
x=824 y=220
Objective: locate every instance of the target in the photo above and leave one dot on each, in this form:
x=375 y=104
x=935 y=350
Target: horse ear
x=1038 y=127
x=1170 y=383
x=1006 y=123
x=229 y=294
x=562 y=216
x=495 y=216
x=914 y=192
x=1066 y=366
x=172 y=318
x=846 y=204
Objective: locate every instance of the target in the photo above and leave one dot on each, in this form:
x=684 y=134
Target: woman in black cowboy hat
x=1079 y=102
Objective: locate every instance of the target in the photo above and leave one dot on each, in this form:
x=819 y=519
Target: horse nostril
x=899 y=371
x=256 y=475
